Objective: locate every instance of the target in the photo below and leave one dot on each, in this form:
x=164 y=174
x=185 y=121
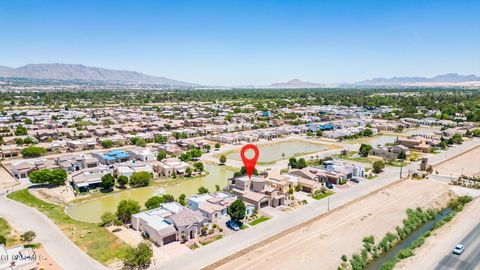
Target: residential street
x=58 y=246
x=241 y=240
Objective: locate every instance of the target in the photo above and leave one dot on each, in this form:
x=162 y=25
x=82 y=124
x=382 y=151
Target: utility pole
x=328 y=204
x=401 y=168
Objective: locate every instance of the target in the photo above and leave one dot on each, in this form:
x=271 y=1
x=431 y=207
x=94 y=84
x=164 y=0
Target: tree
x=457 y=138
x=243 y=171
x=301 y=163
x=138 y=141
x=168 y=198
x=188 y=172
x=33 y=151
x=28 y=236
x=122 y=181
x=139 y=257
x=161 y=155
x=378 y=166
x=125 y=210
x=223 y=159
x=367 y=132
x=217 y=188
x=236 y=210
x=108 y=181
x=20 y=131
x=58 y=177
x=292 y=163
x=154 y=202
x=319 y=133
x=182 y=199
x=364 y=149
x=39 y=176
x=217 y=146
x=160 y=139
x=402 y=155
x=140 y=179
x=108 y=218
x=46 y=176
x=202 y=190
x=198 y=166
x=3 y=240
x=107 y=143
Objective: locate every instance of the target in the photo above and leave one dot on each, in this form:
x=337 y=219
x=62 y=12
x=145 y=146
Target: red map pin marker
x=249 y=163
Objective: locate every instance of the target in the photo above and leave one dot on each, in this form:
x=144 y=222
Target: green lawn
x=323 y=195
x=258 y=220
x=96 y=241
x=244 y=227
x=7 y=232
x=211 y=240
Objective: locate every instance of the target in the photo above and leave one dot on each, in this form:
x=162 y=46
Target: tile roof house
x=168 y=223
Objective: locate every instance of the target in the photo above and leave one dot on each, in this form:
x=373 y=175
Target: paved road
x=236 y=242
x=470 y=259
x=58 y=246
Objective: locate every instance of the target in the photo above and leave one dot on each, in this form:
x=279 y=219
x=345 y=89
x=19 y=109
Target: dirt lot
x=323 y=241
x=468 y=162
x=6 y=180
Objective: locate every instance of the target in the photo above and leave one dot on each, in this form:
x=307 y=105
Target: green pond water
x=92 y=210
x=281 y=150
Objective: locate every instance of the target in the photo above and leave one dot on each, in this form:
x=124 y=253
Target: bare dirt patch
x=6 y=179
x=322 y=242
x=468 y=163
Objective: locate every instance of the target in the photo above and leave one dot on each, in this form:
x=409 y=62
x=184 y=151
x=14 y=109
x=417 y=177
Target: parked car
x=329 y=185
x=355 y=179
x=233 y=225
x=458 y=249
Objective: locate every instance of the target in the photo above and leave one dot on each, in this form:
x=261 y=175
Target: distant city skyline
x=247 y=42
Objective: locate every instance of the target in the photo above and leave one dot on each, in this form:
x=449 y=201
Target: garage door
x=169 y=239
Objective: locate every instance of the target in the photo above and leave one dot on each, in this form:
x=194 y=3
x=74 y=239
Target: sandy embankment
x=321 y=243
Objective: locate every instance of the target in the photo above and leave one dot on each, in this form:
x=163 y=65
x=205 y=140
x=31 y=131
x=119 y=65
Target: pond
x=429 y=131
x=272 y=152
x=92 y=210
x=374 y=140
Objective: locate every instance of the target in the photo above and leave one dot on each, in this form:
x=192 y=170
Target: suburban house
x=418 y=143
x=389 y=152
x=212 y=206
x=142 y=154
x=72 y=163
x=256 y=191
x=169 y=223
x=21 y=169
x=86 y=179
x=112 y=157
x=167 y=166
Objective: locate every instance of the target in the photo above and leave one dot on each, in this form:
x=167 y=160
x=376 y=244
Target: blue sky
x=247 y=42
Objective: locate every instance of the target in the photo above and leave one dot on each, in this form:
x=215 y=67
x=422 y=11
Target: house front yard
x=258 y=220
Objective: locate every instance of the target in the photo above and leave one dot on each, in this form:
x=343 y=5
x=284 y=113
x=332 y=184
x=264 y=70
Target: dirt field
x=468 y=162
x=322 y=242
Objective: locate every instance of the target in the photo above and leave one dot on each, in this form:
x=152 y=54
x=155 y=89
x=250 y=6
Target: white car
x=458 y=249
